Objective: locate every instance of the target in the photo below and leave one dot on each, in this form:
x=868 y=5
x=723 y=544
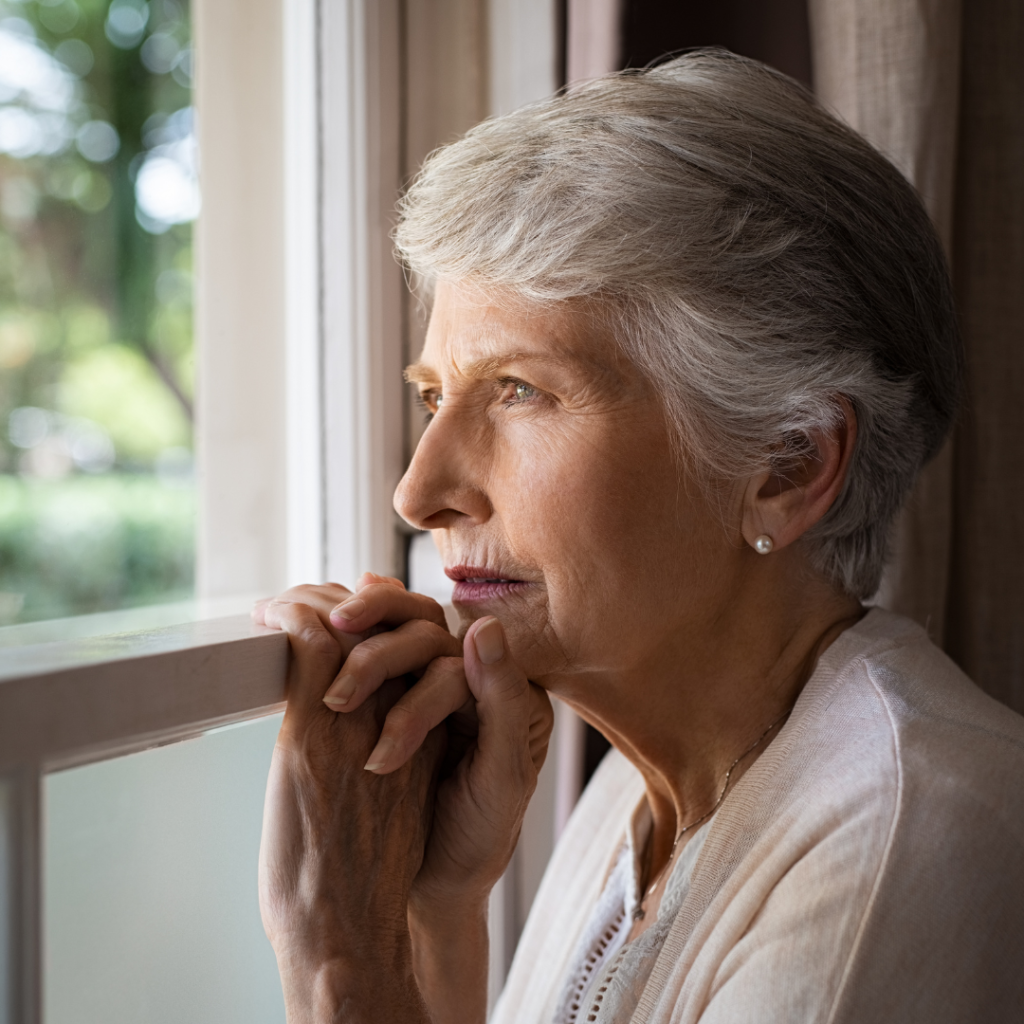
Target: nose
x=444 y=482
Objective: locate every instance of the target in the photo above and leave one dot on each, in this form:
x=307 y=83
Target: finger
x=384 y=604
x=316 y=655
x=441 y=692
x=320 y=597
x=515 y=717
x=410 y=647
x=257 y=610
x=369 y=578
x=317 y=595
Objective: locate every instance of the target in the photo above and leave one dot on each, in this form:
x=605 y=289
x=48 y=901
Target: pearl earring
x=763 y=544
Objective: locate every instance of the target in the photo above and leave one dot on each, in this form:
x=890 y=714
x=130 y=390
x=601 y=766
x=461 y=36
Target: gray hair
x=759 y=259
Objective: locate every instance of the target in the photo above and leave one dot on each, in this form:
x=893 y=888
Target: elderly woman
x=691 y=342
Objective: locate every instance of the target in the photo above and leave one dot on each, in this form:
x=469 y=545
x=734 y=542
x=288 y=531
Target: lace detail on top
x=601 y=941
x=594 y=960
x=610 y=974
x=607 y=980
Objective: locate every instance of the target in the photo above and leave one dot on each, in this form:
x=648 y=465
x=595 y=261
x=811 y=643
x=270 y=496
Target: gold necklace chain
x=638 y=911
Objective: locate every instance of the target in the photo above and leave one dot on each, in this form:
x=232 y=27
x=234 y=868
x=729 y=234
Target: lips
x=475 y=584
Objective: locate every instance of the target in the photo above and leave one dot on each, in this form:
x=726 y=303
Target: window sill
x=66 y=702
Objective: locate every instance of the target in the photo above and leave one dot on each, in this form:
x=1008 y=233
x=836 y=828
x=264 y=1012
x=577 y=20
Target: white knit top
x=869 y=866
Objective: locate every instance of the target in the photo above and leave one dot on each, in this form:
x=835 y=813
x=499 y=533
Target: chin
x=536 y=659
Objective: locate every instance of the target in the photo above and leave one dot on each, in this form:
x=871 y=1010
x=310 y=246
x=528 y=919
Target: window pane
x=151 y=912
x=97 y=194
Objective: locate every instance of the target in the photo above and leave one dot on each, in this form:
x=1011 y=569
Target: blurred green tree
x=98 y=189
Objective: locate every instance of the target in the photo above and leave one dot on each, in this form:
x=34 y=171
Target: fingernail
x=341 y=692
x=350 y=609
x=379 y=756
x=490 y=643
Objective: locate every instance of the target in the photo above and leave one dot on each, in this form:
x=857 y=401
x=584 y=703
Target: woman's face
x=547 y=478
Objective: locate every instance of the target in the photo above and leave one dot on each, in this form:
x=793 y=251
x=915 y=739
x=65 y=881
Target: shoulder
x=870 y=865
x=945 y=741
x=944 y=926
x=922 y=771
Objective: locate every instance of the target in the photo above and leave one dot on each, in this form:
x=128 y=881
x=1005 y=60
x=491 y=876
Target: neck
x=696 y=699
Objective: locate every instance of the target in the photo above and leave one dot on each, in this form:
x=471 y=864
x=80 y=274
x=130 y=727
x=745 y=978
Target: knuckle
x=403 y=717
x=381 y=596
x=449 y=665
x=421 y=628
x=433 y=635
x=319 y=641
x=509 y=681
x=430 y=605
x=369 y=658
x=360 y=658
x=372 y=647
x=447 y=676
x=375 y=591
x=305 y=592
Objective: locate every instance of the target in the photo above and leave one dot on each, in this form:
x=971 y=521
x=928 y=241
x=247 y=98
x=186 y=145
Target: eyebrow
x=422 y=373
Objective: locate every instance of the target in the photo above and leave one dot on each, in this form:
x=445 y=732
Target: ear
x=784 y=504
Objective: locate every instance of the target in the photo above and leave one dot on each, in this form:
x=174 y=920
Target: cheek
x=588 y=491
x=626 y=547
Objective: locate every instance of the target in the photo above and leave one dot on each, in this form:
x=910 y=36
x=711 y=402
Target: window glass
x=98 y=190
x=151 y=911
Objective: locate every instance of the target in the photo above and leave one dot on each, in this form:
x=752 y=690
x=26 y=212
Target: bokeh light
x=98 y=189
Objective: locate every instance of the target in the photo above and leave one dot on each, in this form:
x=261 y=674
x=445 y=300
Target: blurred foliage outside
x=104 y=541
x=98 y=189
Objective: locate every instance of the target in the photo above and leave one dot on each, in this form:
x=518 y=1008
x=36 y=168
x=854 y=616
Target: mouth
x=475 y=584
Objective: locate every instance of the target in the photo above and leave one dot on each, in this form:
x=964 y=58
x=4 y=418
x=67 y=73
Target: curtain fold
x=938 y=87
x=985 y=620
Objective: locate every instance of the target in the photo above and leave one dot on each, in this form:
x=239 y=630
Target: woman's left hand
x=341 y=846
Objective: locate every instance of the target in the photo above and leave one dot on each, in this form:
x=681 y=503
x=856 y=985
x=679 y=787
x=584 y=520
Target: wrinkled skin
x=622 y=587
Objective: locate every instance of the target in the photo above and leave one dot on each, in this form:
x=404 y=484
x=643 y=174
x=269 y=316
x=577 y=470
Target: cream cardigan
x=868 y=868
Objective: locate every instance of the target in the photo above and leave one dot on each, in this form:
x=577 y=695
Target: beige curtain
x=938 y=85
x=593 y=38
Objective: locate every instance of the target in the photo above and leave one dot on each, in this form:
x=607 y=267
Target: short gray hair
x=758 y=257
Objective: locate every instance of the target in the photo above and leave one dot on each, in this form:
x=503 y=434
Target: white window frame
x=302 y=333
x=65 y=703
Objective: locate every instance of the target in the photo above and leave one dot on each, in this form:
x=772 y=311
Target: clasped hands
x=397 y=790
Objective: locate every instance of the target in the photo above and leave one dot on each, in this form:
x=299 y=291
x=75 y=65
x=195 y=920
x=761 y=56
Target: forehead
x=474 y=330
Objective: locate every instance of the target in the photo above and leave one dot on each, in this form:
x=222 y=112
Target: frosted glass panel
x=151 y=910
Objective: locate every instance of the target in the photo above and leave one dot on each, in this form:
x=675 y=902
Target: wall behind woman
x=936 y=85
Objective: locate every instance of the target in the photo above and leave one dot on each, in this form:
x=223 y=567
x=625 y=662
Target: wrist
x=442 y=928
x=371 y=983
x=439 y=909
x=450 y=958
